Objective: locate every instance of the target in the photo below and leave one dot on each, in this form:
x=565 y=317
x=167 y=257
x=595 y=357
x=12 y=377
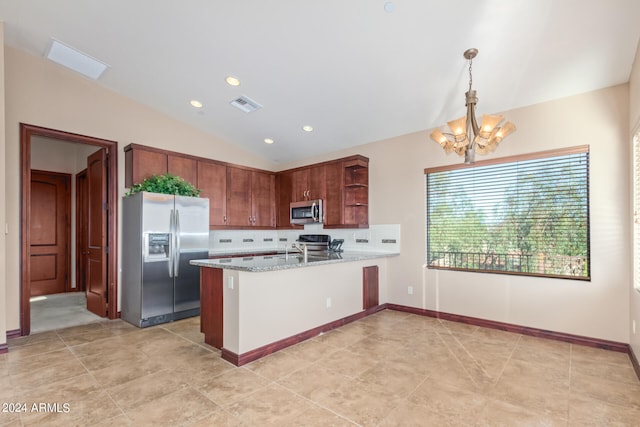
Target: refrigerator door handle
x=176 y=268
x=171 y=244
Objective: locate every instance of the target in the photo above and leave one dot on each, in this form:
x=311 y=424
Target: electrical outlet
x=328 y=302
x=410 y=290
x=230 y=282
x=633 y=327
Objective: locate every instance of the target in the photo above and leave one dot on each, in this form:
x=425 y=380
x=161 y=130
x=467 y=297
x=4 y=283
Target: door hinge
x=106 y=250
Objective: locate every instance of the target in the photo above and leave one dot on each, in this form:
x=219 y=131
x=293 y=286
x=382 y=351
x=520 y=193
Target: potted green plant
x=165 y=184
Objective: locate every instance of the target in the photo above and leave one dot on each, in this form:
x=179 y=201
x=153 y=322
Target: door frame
x=26 y=132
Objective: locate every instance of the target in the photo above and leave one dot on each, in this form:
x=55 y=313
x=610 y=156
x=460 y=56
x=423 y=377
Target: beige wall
x=3 y=199
x=42 y=94
x=598 y=308
x=634 y=127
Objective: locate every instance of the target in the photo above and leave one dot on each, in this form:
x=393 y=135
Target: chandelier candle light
x=467 y=137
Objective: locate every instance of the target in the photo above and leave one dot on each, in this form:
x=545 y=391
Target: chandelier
x=466 y=137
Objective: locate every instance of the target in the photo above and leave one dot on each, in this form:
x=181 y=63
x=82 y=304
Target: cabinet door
x=212 y=181
x=370 y=286
x=183 y=167
x=141 y=164
x=238 y=197
x=284 y=198
x=334 y=205
x=262 y=199
x=300 y=185
x=317 y=183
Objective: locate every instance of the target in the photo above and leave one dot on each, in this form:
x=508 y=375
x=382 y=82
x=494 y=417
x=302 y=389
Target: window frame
x=581 y=149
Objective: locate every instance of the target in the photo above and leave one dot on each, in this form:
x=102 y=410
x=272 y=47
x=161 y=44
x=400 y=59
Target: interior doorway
x=100 y=253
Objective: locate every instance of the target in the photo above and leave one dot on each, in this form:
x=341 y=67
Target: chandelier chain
x=470 y=75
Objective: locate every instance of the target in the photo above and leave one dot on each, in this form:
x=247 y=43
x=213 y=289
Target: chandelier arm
x=471 y=118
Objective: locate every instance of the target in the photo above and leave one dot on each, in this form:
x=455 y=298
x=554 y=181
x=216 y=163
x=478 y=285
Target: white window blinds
x=525 y=216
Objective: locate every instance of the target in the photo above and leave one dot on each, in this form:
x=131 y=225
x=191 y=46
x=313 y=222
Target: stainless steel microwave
x=306 y=212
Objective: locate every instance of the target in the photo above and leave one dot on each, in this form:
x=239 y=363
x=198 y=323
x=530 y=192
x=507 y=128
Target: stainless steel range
x=320 y=242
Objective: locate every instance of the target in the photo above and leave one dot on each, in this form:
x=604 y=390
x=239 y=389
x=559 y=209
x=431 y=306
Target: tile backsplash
x=382 y=238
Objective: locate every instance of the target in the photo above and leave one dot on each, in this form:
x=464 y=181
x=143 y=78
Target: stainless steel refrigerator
x=161 y=234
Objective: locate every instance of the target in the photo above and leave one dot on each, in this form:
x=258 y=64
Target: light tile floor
x=389 y=369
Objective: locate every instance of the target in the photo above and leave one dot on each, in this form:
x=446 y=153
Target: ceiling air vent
x=245 y=104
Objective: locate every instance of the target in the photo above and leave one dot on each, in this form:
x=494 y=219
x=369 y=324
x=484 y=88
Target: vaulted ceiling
x=357 y=71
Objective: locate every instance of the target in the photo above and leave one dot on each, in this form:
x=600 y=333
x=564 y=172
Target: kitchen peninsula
x=253 y=306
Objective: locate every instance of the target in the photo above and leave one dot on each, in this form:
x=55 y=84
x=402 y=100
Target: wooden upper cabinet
x=343 y=185
x=308 y=183
x=241 y=197
x=250 y=198
x=263 y=190
x=284 y=197
x=184 y=167
x=238 y=196
x=333 y=205
x=141 y=164
x=300 y=185
x=356 y=193
x=317 y=183
x=212 y=182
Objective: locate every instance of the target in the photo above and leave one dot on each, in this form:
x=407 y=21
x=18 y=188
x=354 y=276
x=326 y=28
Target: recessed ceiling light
x=268 y=141
x=233 y=81
x=307 y=128
x=76 y=60
x=195 y=103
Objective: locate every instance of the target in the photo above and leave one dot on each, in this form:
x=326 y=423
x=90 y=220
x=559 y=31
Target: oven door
x=305 y=212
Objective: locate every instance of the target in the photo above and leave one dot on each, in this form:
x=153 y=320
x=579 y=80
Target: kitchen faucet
x=302 y=247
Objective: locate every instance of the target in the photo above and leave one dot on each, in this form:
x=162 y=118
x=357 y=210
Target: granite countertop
x=281 y=261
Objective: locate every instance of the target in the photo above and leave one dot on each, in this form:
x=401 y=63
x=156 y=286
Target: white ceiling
x=352 y=70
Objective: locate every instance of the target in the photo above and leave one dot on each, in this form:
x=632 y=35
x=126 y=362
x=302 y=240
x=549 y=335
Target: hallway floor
x=57 y=311
x=389 y=369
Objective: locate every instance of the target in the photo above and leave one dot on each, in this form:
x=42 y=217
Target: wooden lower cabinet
x=211 y=316
x=370 y=296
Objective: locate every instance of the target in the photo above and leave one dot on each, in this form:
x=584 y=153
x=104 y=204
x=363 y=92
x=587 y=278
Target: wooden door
x=238 y=196
x=212 y=181
x=263 y=199
x=50 y=233
x=97 y=233
x=184 y=167
x=81 y=230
